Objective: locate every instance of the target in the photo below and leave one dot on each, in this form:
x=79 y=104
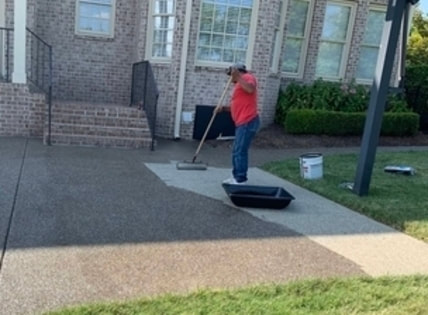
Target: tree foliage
x=417 y=49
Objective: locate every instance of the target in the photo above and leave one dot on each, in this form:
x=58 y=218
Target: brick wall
x=204 y=85
x=21 y=112
x=88 y=68
x=362 y=9
x=99 y=70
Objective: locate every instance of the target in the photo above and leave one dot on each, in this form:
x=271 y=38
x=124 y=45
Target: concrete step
x=102 y=125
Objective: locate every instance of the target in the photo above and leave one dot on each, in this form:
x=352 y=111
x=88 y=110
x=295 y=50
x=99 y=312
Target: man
x=243 y=108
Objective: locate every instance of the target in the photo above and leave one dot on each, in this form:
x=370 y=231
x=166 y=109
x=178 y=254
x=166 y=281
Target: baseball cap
x=238 y=66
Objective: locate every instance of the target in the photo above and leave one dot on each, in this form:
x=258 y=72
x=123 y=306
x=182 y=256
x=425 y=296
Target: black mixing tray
x=258 y=196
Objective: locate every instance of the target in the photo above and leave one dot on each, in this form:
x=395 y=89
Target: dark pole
x=385 y=62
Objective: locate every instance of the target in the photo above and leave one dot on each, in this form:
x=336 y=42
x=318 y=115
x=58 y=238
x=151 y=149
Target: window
x=225 y=32
x=95 y=17
x=370 y=45
x=335 y=38
x=296 y=39
x=278 y=31
x=161 y=30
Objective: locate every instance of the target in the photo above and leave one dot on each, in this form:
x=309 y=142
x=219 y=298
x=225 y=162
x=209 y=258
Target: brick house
x=189 y=45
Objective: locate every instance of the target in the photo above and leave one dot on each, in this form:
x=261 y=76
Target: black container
x=258 y=196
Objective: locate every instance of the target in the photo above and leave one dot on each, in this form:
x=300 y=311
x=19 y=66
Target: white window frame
x=305 y=42
x=151 y=30
x=251 y=40
x=278 y=36
x=363 y=80
x=110 y=34
x=346 y=43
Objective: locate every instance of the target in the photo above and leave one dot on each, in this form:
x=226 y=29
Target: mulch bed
x=275 y=136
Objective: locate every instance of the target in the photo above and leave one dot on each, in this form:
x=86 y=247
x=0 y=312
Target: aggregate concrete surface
x=81 y=225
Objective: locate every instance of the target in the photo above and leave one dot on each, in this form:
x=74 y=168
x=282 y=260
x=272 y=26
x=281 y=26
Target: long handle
x=212 y=119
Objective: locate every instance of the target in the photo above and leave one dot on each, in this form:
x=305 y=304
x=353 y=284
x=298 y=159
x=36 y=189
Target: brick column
x=19 y=41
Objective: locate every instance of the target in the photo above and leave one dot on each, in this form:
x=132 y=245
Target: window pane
x=245 y=16
x=160 y=36
x=164 y=6
x=95 y=16
x=217 y=40
x=164 y=22
x=374 y=28
x=336 y=22
x=94 y=25
x=95 y=11
x=243 y=29
x=329 y=60
x=216 y=54
x=291 y=56
x=163 y=28
x=247 y=3
x=229 y=42
x=232 y=27
x=224 y=27
x=98 y=1
x=203 y=53
x=367 y=64
x=298 y=15
x=204 y=39
x=240 y=56
x=207 y=10
x=233 y=14
x=219 y=18
x=228 y=55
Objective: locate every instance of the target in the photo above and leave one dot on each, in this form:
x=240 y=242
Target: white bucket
x=311 y=165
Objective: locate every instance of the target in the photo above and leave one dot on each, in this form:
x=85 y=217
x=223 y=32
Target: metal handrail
x=145 y=94
x=39 y=71
x=39 y=67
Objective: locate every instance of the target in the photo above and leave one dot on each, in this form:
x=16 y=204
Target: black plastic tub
x=252 y=196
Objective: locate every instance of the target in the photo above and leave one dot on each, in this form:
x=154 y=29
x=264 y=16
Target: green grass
x=397 y=200
x=388 y=295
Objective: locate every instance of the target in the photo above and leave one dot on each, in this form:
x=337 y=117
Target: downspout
x=182 y=75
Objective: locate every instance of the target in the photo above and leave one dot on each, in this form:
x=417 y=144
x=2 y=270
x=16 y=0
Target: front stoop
x=96 y=125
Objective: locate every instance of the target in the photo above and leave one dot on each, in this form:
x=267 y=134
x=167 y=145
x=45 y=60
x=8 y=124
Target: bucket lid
x=311 y=155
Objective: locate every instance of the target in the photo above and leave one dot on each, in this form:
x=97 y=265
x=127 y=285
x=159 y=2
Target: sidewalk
x=87 y=224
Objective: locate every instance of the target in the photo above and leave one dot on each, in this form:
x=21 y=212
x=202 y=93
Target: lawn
x=391 y=295
x=397 y=200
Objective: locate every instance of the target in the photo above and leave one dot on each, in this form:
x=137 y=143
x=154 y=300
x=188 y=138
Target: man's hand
x=236 y=75
x=220 y=109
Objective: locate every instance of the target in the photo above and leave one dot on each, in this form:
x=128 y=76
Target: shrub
x=307 y=121
x=400 y=124
x=416 y=87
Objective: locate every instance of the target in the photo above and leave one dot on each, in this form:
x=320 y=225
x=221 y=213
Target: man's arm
x=246 y=86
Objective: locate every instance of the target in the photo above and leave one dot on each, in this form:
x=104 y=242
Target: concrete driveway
x=81 y=225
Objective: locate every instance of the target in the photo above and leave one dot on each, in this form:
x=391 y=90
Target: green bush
x=307 y=121
x=322 y=95
x=416 y=87
x=400 y=124
x=331 y=96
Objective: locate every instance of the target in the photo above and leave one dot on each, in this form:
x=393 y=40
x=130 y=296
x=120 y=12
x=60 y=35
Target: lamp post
x=391 y=31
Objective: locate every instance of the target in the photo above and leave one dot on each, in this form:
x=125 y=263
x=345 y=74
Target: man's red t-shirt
x=243 y=105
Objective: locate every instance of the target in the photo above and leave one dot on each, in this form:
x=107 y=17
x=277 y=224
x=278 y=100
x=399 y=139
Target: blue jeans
x=244 y=134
